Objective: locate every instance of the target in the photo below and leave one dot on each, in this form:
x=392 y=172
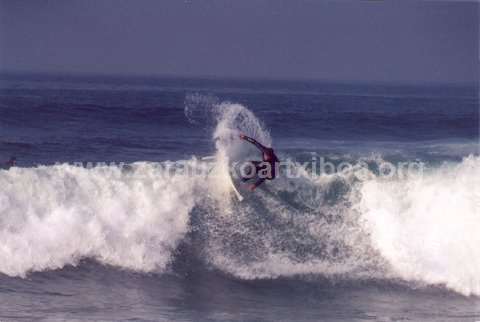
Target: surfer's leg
x=256 y=184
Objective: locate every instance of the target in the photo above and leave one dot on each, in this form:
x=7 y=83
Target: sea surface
x=120 y=206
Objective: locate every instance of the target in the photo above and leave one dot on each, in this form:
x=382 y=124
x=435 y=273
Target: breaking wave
x=422 y=229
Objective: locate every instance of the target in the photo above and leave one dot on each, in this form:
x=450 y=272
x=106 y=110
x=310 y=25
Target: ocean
x=119 y=207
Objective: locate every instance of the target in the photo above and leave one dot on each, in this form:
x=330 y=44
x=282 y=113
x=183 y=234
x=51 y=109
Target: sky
x=394 y=41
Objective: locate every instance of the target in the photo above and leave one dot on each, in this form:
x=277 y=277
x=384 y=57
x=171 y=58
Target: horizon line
x=138 y=76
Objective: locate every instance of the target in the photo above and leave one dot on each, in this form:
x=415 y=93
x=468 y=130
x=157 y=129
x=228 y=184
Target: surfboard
x=235 y=190
x=230 y=179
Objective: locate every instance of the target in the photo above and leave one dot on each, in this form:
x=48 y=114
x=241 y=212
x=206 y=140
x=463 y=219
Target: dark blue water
x=115 y=244
x=55 y=119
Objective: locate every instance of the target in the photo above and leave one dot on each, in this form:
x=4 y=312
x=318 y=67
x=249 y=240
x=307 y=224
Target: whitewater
x=419 y=231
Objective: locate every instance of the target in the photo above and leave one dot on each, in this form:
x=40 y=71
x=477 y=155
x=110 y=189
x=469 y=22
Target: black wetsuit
x=269 y=157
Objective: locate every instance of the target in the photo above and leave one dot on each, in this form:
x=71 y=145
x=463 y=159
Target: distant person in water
x=265 y=169
x=10 y=163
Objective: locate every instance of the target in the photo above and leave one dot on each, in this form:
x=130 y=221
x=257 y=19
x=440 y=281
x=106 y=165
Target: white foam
x=53 y=216
x=428 y=227
x=420 y=229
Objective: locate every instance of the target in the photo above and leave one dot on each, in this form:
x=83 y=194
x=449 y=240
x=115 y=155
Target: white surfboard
x=230 y=179
x=235 y=190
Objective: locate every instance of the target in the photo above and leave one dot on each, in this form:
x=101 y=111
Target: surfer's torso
x=268 y=155
x=266 y=169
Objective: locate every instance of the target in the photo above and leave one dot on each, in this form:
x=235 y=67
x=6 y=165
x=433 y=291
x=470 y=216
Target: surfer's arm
x=254 y=142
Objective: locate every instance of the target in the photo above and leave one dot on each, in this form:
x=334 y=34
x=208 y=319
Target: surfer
x=268 y=165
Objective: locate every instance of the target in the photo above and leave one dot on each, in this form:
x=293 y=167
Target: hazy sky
x=338 y=40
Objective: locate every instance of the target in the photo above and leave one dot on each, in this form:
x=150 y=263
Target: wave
x=57 y=215
x=427 y=227
x=421 y=230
